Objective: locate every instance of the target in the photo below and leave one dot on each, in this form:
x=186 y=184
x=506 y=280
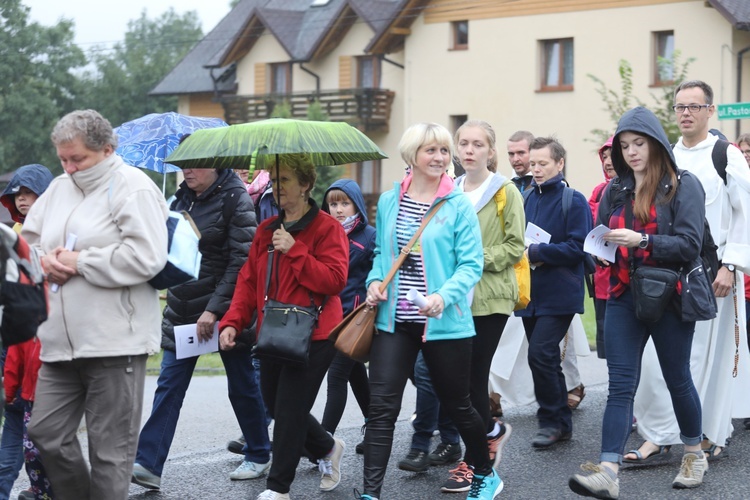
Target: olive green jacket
x=503 y=246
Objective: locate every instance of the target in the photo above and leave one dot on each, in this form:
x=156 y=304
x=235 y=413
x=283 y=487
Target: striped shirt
x=411 y=272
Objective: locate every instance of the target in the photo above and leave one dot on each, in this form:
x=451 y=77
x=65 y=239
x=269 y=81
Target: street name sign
x=734 y=111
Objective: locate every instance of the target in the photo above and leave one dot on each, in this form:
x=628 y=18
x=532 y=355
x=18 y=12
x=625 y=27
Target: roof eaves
x=736 y=12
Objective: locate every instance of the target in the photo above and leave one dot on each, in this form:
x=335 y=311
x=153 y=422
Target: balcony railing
x=367 y=109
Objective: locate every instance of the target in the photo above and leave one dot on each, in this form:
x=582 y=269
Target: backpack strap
x=567 y=201
x=719 y=158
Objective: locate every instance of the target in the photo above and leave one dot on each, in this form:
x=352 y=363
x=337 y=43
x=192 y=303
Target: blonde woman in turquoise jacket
x=443 y=265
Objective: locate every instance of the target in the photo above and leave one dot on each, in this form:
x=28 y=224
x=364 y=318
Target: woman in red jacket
x=310 y=259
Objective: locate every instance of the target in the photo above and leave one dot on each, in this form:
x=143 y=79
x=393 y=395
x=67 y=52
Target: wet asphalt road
x=198 y=466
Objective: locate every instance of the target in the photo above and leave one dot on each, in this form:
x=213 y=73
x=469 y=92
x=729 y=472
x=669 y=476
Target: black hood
x=641 y=121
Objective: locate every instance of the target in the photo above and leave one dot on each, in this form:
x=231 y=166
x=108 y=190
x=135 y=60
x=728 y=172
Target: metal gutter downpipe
x=739 y=84
x=317 y=77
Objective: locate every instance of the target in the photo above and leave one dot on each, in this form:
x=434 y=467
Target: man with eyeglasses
x=715 y=342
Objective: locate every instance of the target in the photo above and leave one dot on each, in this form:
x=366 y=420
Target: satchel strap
x=269 y=268
x=407 y=249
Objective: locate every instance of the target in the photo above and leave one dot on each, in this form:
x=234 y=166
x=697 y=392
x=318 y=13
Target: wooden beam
x=399 y=31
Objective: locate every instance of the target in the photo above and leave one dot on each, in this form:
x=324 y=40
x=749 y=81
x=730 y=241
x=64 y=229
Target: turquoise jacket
x=451 y=246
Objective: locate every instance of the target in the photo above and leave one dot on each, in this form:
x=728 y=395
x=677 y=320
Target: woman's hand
x=374 y=295
x=205 y=327
x=60 y=265
x=434 y=306
x=602 y=262
x=226 y=338
x=282 y=240
x=624 y=237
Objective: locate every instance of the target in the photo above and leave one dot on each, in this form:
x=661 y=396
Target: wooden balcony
x=367 y=109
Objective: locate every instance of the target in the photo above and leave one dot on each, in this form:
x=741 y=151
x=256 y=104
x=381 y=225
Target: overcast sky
x=105 y=22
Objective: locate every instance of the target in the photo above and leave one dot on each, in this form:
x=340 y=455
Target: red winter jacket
x=318 y=262
x=22 y=369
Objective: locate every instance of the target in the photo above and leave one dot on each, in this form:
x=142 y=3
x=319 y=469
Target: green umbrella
x=327 y=143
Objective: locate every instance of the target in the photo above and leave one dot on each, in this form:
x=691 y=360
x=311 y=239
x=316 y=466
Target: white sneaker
x=249 y=470
x=272 y=495
x=597 y=484
x=330 y=466
x=691 y=471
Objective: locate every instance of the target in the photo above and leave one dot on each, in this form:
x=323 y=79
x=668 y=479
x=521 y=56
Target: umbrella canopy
x=327 y=143
x=146 y=141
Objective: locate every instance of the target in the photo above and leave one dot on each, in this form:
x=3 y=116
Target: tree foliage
x=37 y=85
x=123 y=77
x=617 y=102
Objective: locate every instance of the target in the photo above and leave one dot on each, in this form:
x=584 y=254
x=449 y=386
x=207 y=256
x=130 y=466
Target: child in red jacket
x=21 y=371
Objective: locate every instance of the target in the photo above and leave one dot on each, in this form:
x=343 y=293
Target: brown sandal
x=496 y=410
x=575 y=396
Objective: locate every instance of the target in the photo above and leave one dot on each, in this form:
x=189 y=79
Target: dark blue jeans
x=244 y=394
x=544 y=334
x=430 y=415
x=624 y=342
x=11 y=447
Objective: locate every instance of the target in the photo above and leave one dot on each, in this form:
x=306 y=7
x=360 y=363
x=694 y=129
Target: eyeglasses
x=693 y=108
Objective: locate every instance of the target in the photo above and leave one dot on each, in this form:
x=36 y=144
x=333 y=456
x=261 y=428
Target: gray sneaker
x=691 y=471
x=144 y=477
x=249 y=470
x=598 y=484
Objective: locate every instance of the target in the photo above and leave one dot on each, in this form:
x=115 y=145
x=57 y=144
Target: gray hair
x=690 y=84
x=93 y=129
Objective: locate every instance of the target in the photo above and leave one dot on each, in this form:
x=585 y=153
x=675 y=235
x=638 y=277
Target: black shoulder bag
x=286 y=331
x=652 y=287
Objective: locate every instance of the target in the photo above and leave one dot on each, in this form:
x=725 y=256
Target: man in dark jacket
x=557 y=285
x=223 y=212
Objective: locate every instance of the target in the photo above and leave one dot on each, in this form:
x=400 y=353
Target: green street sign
x=734 y=111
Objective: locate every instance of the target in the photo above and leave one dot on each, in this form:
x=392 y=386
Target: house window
x=459 y=35
x=557 y=64
x=368 y=176
x=457 y=120
x=663 y=64
x=368 y=72
x=281 y=78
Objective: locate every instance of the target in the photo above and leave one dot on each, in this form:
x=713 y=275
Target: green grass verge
x=208 y=364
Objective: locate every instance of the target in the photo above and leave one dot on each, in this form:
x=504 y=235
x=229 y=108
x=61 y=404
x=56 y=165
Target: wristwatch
x=644 y=242
x=730 y=267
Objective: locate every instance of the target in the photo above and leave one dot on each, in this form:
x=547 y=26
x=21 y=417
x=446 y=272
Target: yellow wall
x=496 y=79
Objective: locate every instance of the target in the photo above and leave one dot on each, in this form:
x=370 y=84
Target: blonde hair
x=420 y=134
x=489 y=132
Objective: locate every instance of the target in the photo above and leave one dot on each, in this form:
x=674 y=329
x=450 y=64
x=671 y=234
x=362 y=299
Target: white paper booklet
x=535 y=234
x=595 y=244
x=187 y=344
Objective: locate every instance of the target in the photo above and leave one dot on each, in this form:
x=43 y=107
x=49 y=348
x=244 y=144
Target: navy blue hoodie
x=361 y=246
x=34 y=177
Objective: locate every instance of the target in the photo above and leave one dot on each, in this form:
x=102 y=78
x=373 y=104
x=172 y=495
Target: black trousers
x=392 y=360
x=289 y=393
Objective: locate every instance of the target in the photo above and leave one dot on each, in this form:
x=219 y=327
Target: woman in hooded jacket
x=344 y=201
x=601 y=275
x=667 y=232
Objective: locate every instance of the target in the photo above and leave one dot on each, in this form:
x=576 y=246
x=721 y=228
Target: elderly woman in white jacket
x=104 y=318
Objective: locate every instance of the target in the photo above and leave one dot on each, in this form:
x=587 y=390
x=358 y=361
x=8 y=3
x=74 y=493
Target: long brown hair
x=659 y=165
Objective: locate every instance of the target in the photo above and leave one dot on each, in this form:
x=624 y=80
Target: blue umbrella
x=146 y=141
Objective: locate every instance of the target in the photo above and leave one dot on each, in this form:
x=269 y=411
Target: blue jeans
x=544 y=334
x=174 y=379
x=430 y=415
x=624 y=342
x=11 y=447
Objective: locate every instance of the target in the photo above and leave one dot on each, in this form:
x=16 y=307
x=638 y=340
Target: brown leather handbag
x=353 y=336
